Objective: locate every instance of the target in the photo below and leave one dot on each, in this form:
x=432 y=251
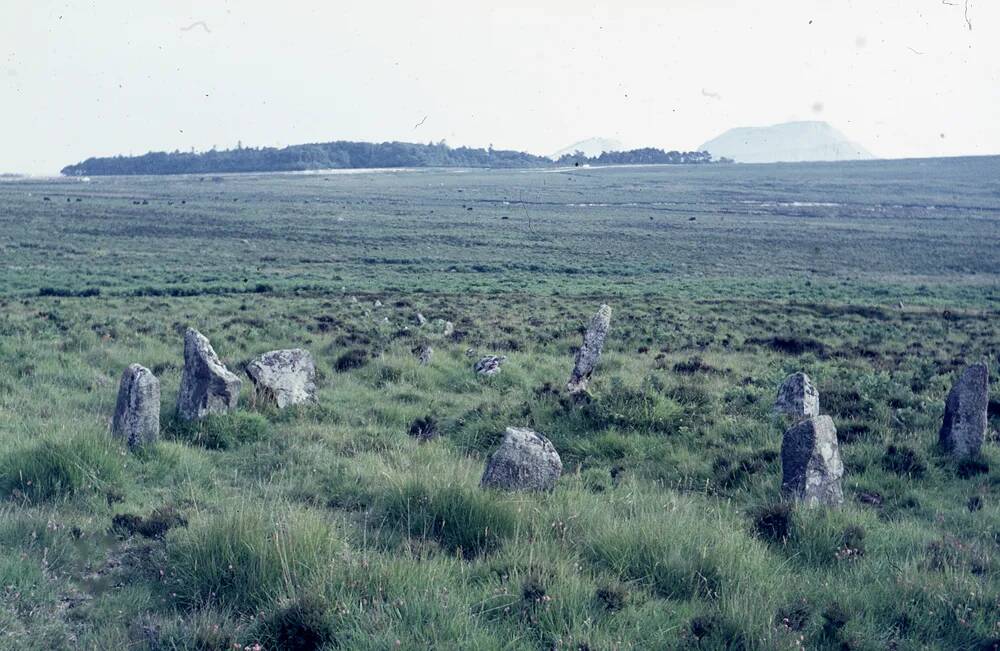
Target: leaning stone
x=811 y=469
x=420 y=319
x=284 y=377
x=489 y=365
x=525 y=461
x=137 y=411
x=965 y=414
x=797 y=397
x=207 y=386
x=590 y=352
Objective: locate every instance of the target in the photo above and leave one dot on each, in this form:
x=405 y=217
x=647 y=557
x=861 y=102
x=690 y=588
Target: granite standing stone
x=964 y=425
x=590 y=352
x=207 y=386
x=811 y=468
x=137 y=410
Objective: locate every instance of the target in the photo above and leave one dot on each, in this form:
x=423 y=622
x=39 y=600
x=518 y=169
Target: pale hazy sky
x=900 y=77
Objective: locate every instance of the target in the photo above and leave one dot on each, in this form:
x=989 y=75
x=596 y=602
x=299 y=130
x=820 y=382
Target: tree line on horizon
x=344 y=154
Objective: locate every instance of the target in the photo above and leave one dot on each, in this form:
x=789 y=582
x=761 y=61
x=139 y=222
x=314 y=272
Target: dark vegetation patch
x=790 y=345
x=613 y=597
x=968 y=468
x=773 y=522
x=903 y=461
x=351 y=359
x=734 y=474
x=218 y=431
x=156 y=525
x=794 y=617
x=424 y=428
x=853 y=432
x=694 y=365
x=303 y=624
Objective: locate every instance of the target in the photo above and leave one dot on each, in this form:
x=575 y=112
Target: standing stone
x=284 y=377
x=489 y=365
x=137 y=411
x=964 y=423
x=590 y=351
x=448 y=329
x=810 y=463
x=797 y=397
x=207 y=386
x=525 y=460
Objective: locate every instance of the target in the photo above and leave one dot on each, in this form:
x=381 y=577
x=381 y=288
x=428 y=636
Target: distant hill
x=341 y=154
x=788 y=142
x=357 y=155
x=591 y=147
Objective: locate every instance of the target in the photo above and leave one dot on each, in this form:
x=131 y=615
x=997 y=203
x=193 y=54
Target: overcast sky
x=903 y=78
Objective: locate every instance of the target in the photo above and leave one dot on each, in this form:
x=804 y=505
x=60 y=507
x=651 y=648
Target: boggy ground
x=358 y=522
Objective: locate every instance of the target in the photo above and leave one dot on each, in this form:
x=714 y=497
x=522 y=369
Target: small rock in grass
x=525 y=461
x=489 y=365
x=284 y=377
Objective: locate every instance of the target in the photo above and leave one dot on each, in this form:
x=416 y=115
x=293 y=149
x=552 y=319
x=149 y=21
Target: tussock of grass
x=52 y=468
x=250 y=556
x=218 y=431
x=463 y=520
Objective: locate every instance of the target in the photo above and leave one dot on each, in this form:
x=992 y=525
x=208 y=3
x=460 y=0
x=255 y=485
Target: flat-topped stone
x=137 y=410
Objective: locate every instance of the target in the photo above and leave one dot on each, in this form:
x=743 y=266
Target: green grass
x=332 y=524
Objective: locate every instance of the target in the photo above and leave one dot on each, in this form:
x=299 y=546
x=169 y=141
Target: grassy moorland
x=331 y=526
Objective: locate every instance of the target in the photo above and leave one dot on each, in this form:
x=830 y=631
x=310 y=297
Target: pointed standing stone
x=797 y=397
x=137 y=411
x=811 y=468
x=207 y=386
x=284 y=377
x=965 y=414
x=525 y=460
x=590 y=352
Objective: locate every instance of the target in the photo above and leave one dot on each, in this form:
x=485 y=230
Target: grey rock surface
x=284 y=377
x=525 y=461
x=489 y=365
x=207 y=386
x=811 y=469
x=797 y=397
x=965 y=413
x=590 y=351
x=137 y=410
